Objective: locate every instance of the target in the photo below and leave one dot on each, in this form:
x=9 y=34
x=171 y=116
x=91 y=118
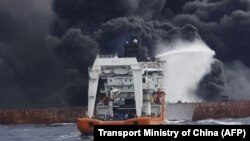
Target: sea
x=69 y=132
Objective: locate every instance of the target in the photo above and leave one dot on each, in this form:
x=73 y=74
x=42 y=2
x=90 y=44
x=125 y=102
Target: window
x=143 y=80
x=110 y=80
x=129 y=87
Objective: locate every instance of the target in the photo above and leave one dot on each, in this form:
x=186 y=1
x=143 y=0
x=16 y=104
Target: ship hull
x=86 y=125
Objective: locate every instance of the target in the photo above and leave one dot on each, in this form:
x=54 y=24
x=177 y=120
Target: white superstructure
x=123 y=86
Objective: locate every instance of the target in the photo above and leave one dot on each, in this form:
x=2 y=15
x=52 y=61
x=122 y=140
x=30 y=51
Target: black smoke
x=222 y=24
x=30 y=76
x=115 y=32
x=46 y=47
x=213 y=83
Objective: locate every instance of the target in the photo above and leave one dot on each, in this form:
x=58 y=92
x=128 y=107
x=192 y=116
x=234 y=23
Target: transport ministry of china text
x=146 y=132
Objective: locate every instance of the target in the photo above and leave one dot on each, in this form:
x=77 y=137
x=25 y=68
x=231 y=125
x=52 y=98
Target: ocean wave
x=226 y=121
x=222 y=121
x=62 y=124
x=68 y=136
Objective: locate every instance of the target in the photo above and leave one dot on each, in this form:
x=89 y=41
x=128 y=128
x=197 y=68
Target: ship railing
x=115 y=75
x=106 y=56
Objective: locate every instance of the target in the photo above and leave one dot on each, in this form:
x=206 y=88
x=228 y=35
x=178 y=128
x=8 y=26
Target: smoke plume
x=237 y=80
x=222 y=24
x=46 y=46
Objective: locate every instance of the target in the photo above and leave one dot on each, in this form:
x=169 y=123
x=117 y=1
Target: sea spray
x=186 y=64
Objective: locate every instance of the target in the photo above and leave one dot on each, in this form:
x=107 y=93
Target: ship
x=125 y=90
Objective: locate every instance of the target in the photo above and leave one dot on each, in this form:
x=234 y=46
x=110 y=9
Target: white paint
x=93 y=83
x=138 y=89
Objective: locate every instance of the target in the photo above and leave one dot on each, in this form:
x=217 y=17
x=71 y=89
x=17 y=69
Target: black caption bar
x=172 y=132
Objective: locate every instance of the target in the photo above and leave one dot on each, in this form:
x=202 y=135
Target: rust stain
x=41 y=116
x=204 y=110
